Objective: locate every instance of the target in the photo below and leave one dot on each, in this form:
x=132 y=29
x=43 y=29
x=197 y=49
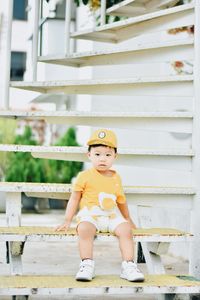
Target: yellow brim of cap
x=96 y=142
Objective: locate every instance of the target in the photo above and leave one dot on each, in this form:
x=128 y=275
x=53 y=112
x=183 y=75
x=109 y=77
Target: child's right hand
x=63 y=227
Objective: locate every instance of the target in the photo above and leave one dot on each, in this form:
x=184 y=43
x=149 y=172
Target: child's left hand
x=133 y=226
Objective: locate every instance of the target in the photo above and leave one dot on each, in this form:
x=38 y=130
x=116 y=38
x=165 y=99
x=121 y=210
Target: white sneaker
x=130 y=271
x=86 y=270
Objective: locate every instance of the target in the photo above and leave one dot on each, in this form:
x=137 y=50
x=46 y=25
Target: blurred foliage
x=22 y=167
x=7 y=136
x=96 y=3
x=63 y=171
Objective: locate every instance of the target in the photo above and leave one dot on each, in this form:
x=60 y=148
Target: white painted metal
x=195 y=220
x=153 y=262
x=13 y=209
x=159 y=200
x=64 y=237
x=175 y=85
x=136 y=197
x=13 y=217
x=83 y=150
x=35 y=38
x=28 y=187
x=158 y=121
x=8 y=54
x=142 y=53
x=179 y=16
x=68 y=10
x=174 y=159
x=152 y=258
x=103 y=12
x=158 y=248
x=130 y=8
x=110 y=287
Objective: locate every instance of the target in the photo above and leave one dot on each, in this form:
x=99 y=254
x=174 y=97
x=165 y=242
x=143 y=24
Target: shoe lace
x=132 y=267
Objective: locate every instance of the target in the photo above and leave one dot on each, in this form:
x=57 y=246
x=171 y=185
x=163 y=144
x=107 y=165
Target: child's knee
x=86 y=229
x=124 y=230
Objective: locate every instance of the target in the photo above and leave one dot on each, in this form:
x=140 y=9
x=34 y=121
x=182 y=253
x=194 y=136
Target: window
x=18 y=65
x=19 y=10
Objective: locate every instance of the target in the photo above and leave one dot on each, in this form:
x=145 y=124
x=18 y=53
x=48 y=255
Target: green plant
x=22 y=167
x=95 y=4
x=7 y=136
x=64 y=171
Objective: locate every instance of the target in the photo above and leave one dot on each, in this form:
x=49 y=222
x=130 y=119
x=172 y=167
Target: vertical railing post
x=68 y=10
x=35 y=38
x=103 y=12
x=195 y=214
x=6 y=87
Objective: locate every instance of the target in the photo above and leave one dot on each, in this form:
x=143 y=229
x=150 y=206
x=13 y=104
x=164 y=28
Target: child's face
x=102 y=157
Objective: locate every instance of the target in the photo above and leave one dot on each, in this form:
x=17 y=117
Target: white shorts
x=104 y=223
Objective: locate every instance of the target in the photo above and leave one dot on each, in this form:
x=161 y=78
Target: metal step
x=105 y=284
x=38 y=234
x=182 y=15
x=130 y=8
x=176 y=159
x=158 y=121
x=62 y=191
x=141 y=53
x=175 y=85
x=180 y=197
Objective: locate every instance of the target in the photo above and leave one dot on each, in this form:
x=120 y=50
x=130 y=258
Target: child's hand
x=133 y=226
x=63 y=227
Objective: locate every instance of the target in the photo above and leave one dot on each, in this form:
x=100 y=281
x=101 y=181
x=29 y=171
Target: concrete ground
x=63 y=258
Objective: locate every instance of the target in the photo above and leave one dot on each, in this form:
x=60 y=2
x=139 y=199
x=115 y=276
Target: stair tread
x=135 y=79
x=40 y=114
x=79 y=58
x=134 y=7
x=108 y=32
x=72 y=231
x=66 y=188
x=101 y=86
x=83 y=150
x=38 y=233
x=174 y=121
x=152 y=284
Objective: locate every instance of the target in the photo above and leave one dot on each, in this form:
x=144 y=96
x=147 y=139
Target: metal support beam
x=194 y=266
x=103 y=12
x=8 y=54
x=13 y=216
x=35 y=38
x=68 y=11
x=153 y=261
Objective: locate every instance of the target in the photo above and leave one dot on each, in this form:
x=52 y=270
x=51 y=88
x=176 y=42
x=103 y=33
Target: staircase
x=180 y=164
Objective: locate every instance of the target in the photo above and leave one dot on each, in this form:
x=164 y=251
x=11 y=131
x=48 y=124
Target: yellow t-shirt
x=99 y=190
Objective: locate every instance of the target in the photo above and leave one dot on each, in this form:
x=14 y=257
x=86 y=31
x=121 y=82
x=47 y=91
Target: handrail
x=68 y=10
x=6 y=89
x=35 y=39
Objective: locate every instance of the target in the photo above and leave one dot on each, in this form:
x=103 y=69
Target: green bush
x=22 y=167
x=7 y=136
x=63 y=171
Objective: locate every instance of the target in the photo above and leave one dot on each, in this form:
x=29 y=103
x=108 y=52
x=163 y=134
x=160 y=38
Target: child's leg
x=129 y=269
x=124 y=233
x=86 y=232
